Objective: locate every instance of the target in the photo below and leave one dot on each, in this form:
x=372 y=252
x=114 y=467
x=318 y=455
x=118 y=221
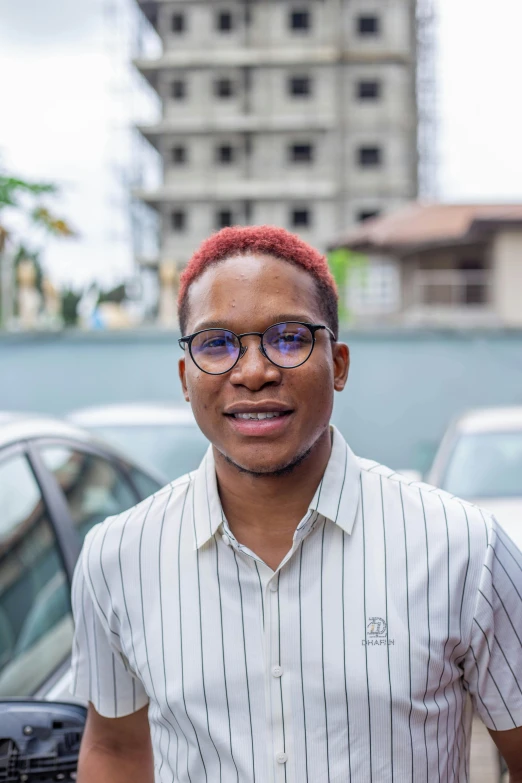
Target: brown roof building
x=440 y=264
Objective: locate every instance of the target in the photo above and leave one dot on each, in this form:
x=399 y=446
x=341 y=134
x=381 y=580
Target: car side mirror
x=39 y=740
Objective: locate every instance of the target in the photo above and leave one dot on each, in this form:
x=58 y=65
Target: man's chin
x=263 y=469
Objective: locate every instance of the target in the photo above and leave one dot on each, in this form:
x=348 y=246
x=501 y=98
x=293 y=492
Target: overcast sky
x=60 y=114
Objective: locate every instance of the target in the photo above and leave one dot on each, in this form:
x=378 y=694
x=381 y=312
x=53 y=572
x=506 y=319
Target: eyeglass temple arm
x=332 y=335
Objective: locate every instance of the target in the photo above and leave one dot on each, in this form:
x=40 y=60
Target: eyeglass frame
x=187 y=340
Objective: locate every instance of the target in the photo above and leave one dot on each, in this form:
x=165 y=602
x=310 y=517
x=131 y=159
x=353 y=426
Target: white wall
x=507 y=277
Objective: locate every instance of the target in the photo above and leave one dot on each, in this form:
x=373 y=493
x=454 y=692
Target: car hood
x=508 y=511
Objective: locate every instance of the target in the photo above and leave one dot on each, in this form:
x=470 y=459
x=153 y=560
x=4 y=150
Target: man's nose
x=253 y=369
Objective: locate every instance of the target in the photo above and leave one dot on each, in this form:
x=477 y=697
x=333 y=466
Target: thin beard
x=283 y=471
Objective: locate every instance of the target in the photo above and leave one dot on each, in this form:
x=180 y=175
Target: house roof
x=429 y=225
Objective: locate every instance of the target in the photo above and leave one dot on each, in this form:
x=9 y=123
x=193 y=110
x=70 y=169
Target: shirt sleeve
x=100 y=673
x=493 y=664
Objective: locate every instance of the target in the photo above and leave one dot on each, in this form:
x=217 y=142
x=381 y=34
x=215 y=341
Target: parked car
x=56 y=482
x=166 y=437
x=480 y=459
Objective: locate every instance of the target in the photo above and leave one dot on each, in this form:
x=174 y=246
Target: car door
x=69 y=486
x=35 y=619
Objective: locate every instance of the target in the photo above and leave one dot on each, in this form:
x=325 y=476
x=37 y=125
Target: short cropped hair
x=267 y=240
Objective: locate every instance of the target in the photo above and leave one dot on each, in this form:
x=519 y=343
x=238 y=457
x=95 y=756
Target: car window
x=35 y=620
x=171 y=449
x=145 y=484
x=93 y=487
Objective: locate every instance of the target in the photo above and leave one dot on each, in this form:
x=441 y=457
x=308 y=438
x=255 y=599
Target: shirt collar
x=336 y=498
x=208 y=514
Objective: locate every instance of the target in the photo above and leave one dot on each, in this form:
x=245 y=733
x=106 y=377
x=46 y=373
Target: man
x=289 y=612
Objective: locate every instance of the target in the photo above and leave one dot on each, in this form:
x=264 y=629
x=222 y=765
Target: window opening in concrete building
x=300 y=86
x=368 y=25
x=178 y=89
x=224 y=21
x=301 y=153
x=224 y=218
x=179 y=155
x=177 y=23
x=178 y=220
x=225 y=154
x=224 y=88
x=300 y=218
x=374 y=289
x=369 y=90
x=370 y=156
x=474 y=290
x=367 y=214
x=300 y=20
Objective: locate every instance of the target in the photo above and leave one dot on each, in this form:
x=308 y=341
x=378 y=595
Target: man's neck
x=264 y=511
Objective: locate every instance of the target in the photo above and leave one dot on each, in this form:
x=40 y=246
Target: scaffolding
x=134 y=164
x=427 y=134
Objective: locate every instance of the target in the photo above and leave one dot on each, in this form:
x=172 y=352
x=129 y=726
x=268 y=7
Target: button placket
x=275 y=673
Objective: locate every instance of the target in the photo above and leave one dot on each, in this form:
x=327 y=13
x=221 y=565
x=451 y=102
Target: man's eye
x=217 y=342
x=290 y=338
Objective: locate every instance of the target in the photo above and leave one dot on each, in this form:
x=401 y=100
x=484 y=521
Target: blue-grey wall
x=404 y=387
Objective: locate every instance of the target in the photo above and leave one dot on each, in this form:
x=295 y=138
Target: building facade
x=449 y=265
x=297 y=113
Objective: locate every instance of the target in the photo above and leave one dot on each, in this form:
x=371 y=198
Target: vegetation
x=23 y=204
x=345 y=265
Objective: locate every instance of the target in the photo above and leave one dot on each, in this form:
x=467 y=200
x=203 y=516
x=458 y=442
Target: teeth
x=258 y=416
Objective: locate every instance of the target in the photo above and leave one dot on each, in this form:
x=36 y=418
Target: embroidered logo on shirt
x=377 y=633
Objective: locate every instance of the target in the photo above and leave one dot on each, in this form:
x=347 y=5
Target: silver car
x=56 y=482
x=480 y=459
x=164 y=437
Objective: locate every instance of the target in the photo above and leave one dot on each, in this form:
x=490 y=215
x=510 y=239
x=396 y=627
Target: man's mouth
x=265 y=421
x=260 y=415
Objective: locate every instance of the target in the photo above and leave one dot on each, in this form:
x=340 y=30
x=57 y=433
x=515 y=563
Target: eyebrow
x=277 y=319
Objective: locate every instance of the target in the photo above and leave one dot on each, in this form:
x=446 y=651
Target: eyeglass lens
x=286 y=345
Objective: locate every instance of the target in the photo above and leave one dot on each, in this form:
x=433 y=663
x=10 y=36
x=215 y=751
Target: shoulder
x=119 y=537
x=430 y=511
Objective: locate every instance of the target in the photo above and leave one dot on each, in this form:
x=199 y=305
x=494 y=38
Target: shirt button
x=274 y=585
x=226 y=539
x=277 y=671
x=282 y=758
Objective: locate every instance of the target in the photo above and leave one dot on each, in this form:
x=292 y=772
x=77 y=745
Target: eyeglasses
x=288 y=344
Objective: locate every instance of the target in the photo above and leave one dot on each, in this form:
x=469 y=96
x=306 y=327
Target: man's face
x=249 y=294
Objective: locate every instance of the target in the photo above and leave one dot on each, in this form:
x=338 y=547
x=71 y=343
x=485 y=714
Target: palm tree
x=21 y=197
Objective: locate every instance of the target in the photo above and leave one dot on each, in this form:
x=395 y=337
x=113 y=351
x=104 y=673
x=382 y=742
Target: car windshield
x=172 y=449
x=486 y=465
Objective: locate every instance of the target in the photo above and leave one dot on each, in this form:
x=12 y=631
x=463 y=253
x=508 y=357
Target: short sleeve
x=100 y=673
x=493 y=664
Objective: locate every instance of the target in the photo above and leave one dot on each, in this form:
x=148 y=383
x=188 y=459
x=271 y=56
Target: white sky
x=60 y=116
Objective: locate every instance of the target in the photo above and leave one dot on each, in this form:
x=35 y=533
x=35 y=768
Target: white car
x=480 y=459
x=165 y=438
x=56 y=482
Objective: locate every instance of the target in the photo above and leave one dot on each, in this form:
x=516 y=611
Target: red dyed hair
x=266 y=240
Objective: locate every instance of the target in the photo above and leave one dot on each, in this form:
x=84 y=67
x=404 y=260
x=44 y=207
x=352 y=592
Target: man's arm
x=509 y=744
x=116 y=750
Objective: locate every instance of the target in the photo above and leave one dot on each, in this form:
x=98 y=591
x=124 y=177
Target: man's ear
x=183 y=378
x=341 y=358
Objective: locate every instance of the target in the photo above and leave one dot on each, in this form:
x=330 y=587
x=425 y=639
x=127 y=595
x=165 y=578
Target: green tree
x=25 y=201
x=346 y=266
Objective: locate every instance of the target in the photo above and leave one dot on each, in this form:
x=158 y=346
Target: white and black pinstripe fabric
x=352 y=662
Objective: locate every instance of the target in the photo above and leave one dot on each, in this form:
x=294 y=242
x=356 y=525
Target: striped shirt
x=353 y=661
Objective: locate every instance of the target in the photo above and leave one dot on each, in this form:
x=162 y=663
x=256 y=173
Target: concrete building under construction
x=298 y=113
